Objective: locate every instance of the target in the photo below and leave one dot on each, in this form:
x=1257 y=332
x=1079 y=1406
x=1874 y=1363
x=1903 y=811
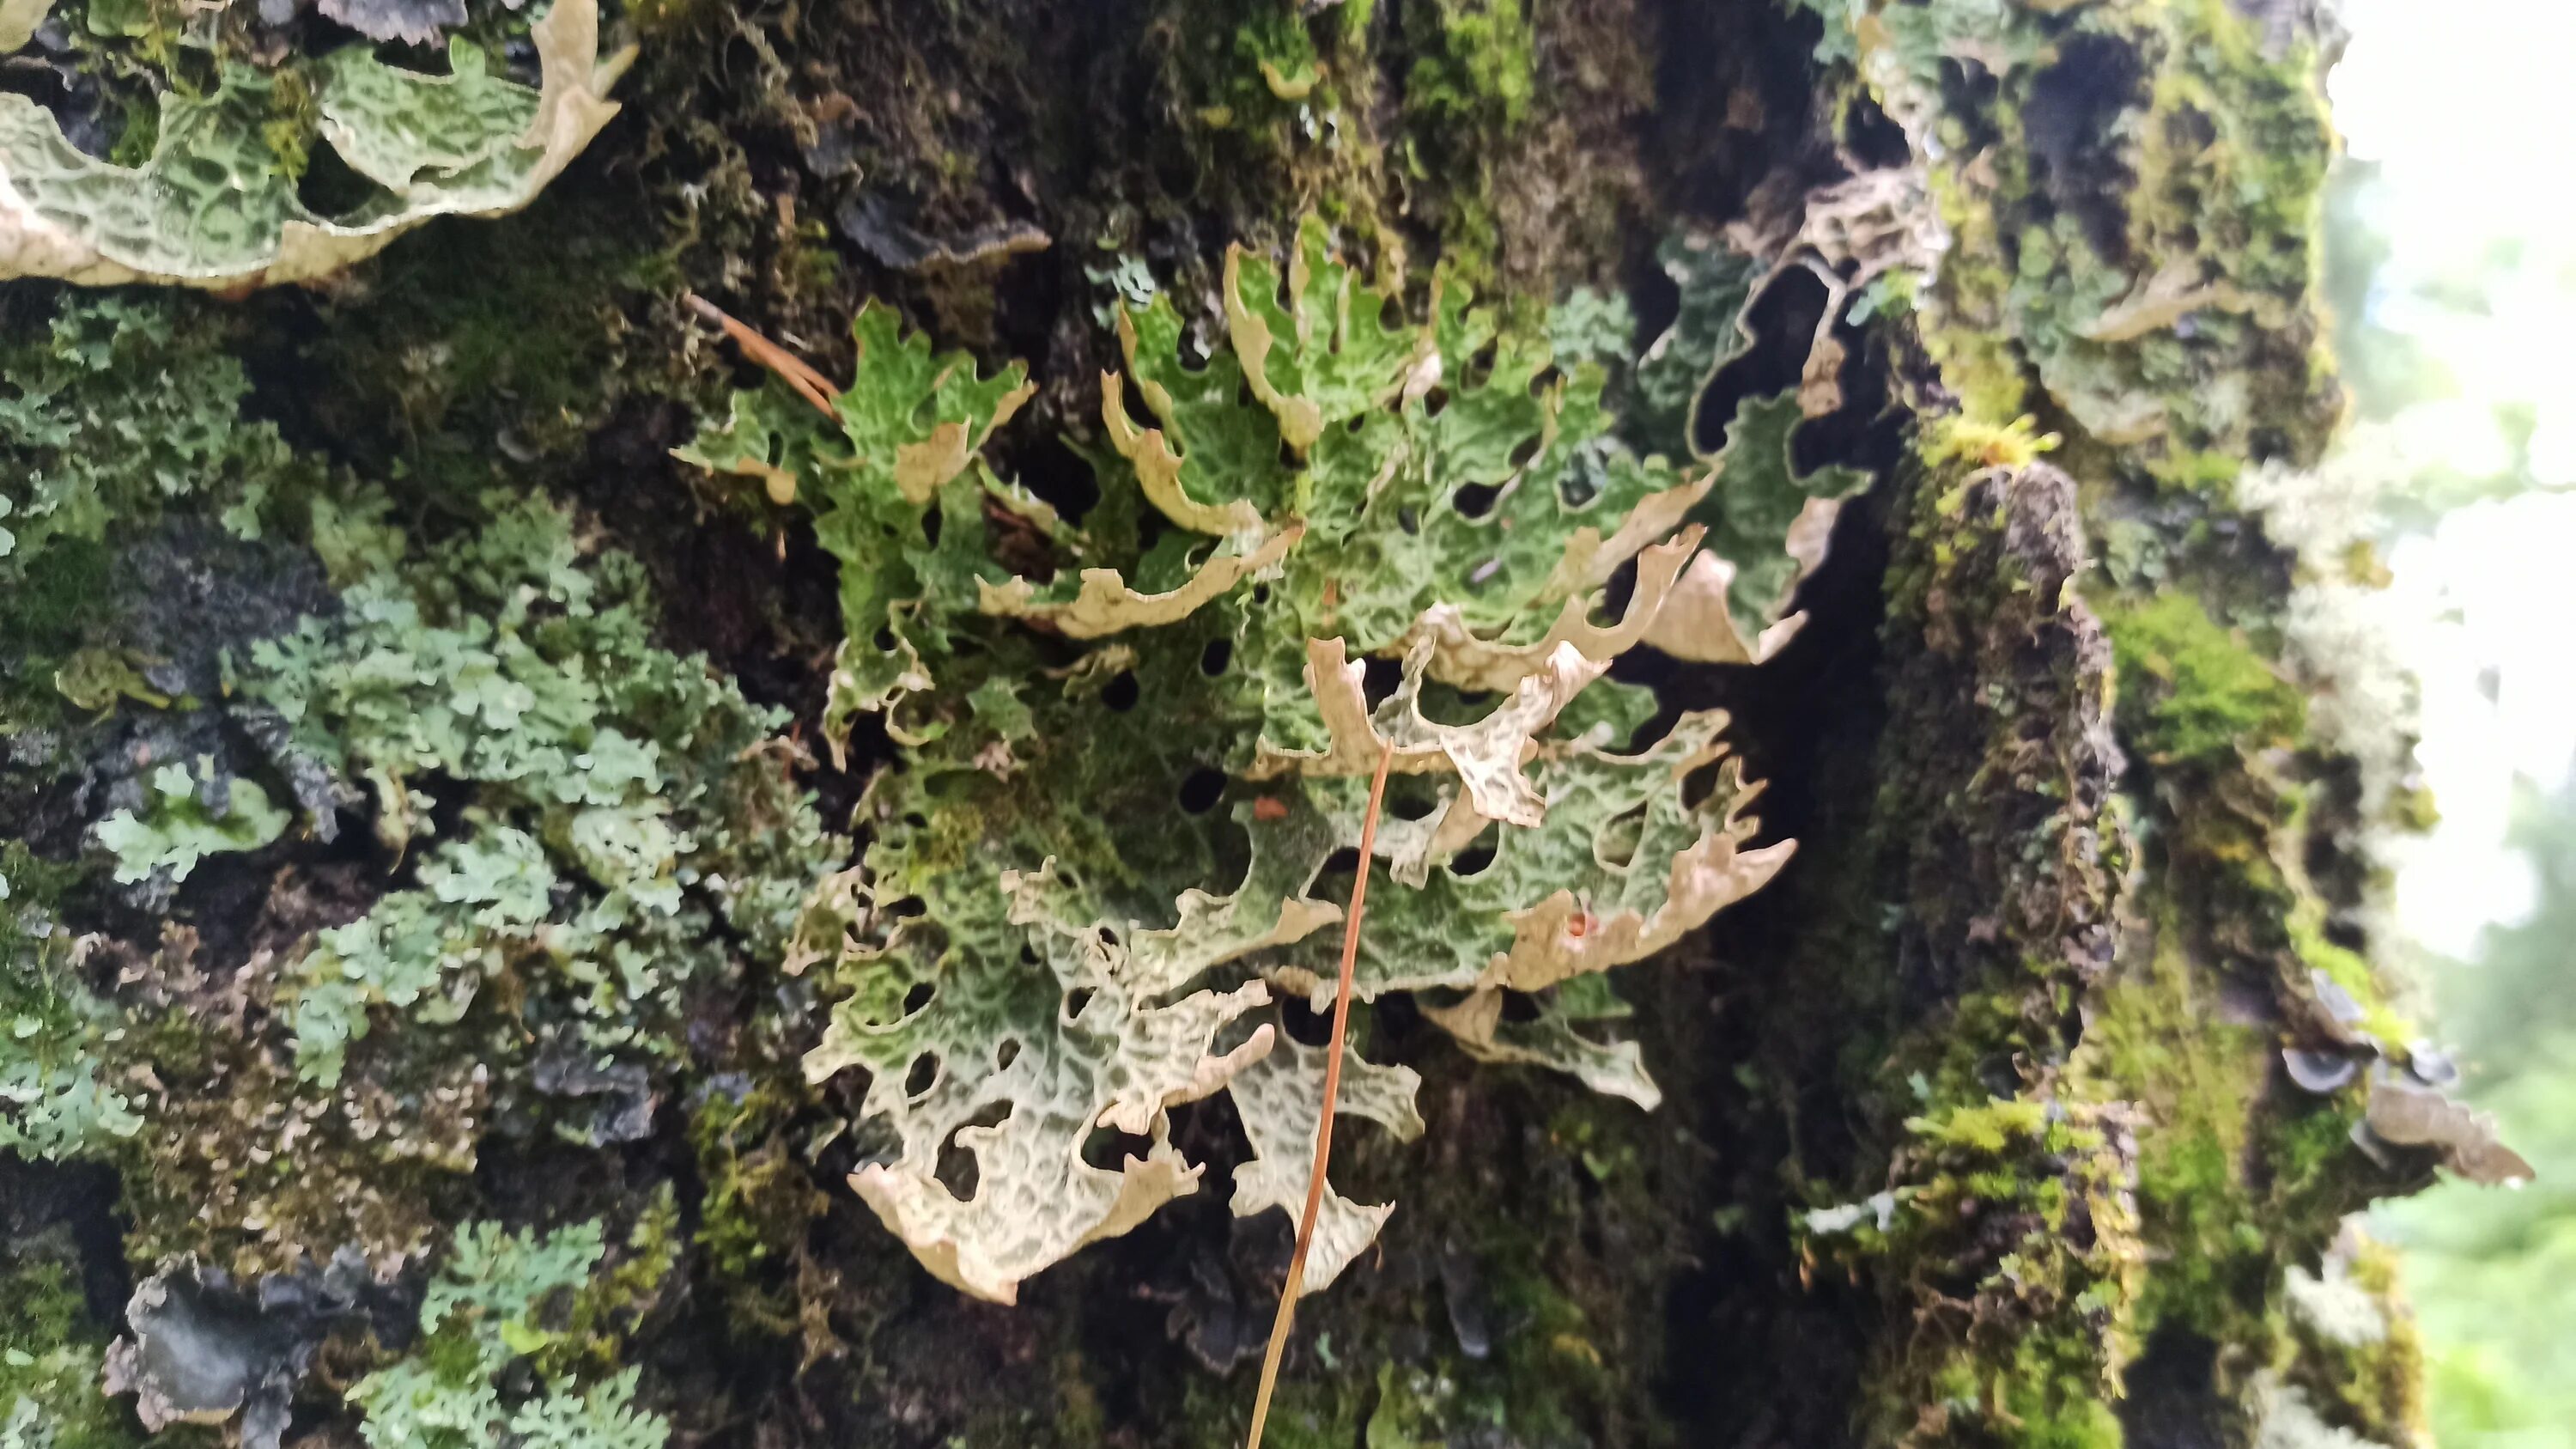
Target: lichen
x=597 y=768
x=215 y=204
x=55 y=1099
x=1015 y=959
x=488 y=1309
x=182 y=828
x=586 y=826
x=123 y=406
x=2132 y=194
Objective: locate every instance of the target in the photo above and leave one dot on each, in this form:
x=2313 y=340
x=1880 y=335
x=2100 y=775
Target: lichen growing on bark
x=215 y=203
x=2002 y=1115
x=1349 y=493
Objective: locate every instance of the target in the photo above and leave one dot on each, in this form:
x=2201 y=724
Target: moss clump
x=50 y=1356
x=519 y=335
x=759 y=1198
x=2193 y=692
x=2013 y=1227
x=2356 y=1354
x=2152 y=1042
x=1475 y=63
x=1468 y=93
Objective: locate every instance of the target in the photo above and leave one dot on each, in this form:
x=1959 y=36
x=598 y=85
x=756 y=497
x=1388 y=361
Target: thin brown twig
x=1332 y=1096
x=793 y=370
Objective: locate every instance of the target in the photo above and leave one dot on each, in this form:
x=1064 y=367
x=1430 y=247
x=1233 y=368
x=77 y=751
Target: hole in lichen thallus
x=330 y=187
x=1475 y=500
x=1201 y=789
x=1378 y=679
x=1052 y=470
x=1478 y=855
x=1874 y=140
x=1303 y=1023
x=957 y=1169
x=1411 y=797
x=1108 y=1149
x=1783 y=321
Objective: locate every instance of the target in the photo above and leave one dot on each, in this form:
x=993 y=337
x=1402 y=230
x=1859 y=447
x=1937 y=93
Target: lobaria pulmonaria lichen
x=1134 y=746
x=216 y=205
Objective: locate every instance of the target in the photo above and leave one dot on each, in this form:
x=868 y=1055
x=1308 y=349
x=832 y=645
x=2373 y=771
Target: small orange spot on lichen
x=1269 y=807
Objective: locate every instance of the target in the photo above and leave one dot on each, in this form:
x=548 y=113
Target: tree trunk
x=2023 y=1106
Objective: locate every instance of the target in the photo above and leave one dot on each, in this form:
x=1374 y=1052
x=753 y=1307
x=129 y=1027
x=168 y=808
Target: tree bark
x=1977 y=1126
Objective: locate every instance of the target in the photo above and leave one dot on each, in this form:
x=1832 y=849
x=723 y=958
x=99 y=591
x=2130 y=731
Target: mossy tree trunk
x=1977 y=1126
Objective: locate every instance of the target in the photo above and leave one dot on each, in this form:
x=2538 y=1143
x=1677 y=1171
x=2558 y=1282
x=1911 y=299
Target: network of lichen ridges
x=1123 y=789
x=215 y=203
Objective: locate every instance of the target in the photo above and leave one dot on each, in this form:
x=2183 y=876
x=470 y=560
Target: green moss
x=1468 y=90
x=758 y=1200
x=1475 y=63
x=2193 y=692
x=2362 y=1362
x=2151 y=1041
x=50 y=1355
x=2347 y=969
x=2014 y=1217
x=511 y=334
x=1991 y=1128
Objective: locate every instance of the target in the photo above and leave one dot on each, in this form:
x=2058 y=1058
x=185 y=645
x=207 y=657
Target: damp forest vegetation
x=694 y=698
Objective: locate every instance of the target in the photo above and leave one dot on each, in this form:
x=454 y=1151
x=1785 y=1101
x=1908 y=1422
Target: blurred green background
x=2453 y=267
